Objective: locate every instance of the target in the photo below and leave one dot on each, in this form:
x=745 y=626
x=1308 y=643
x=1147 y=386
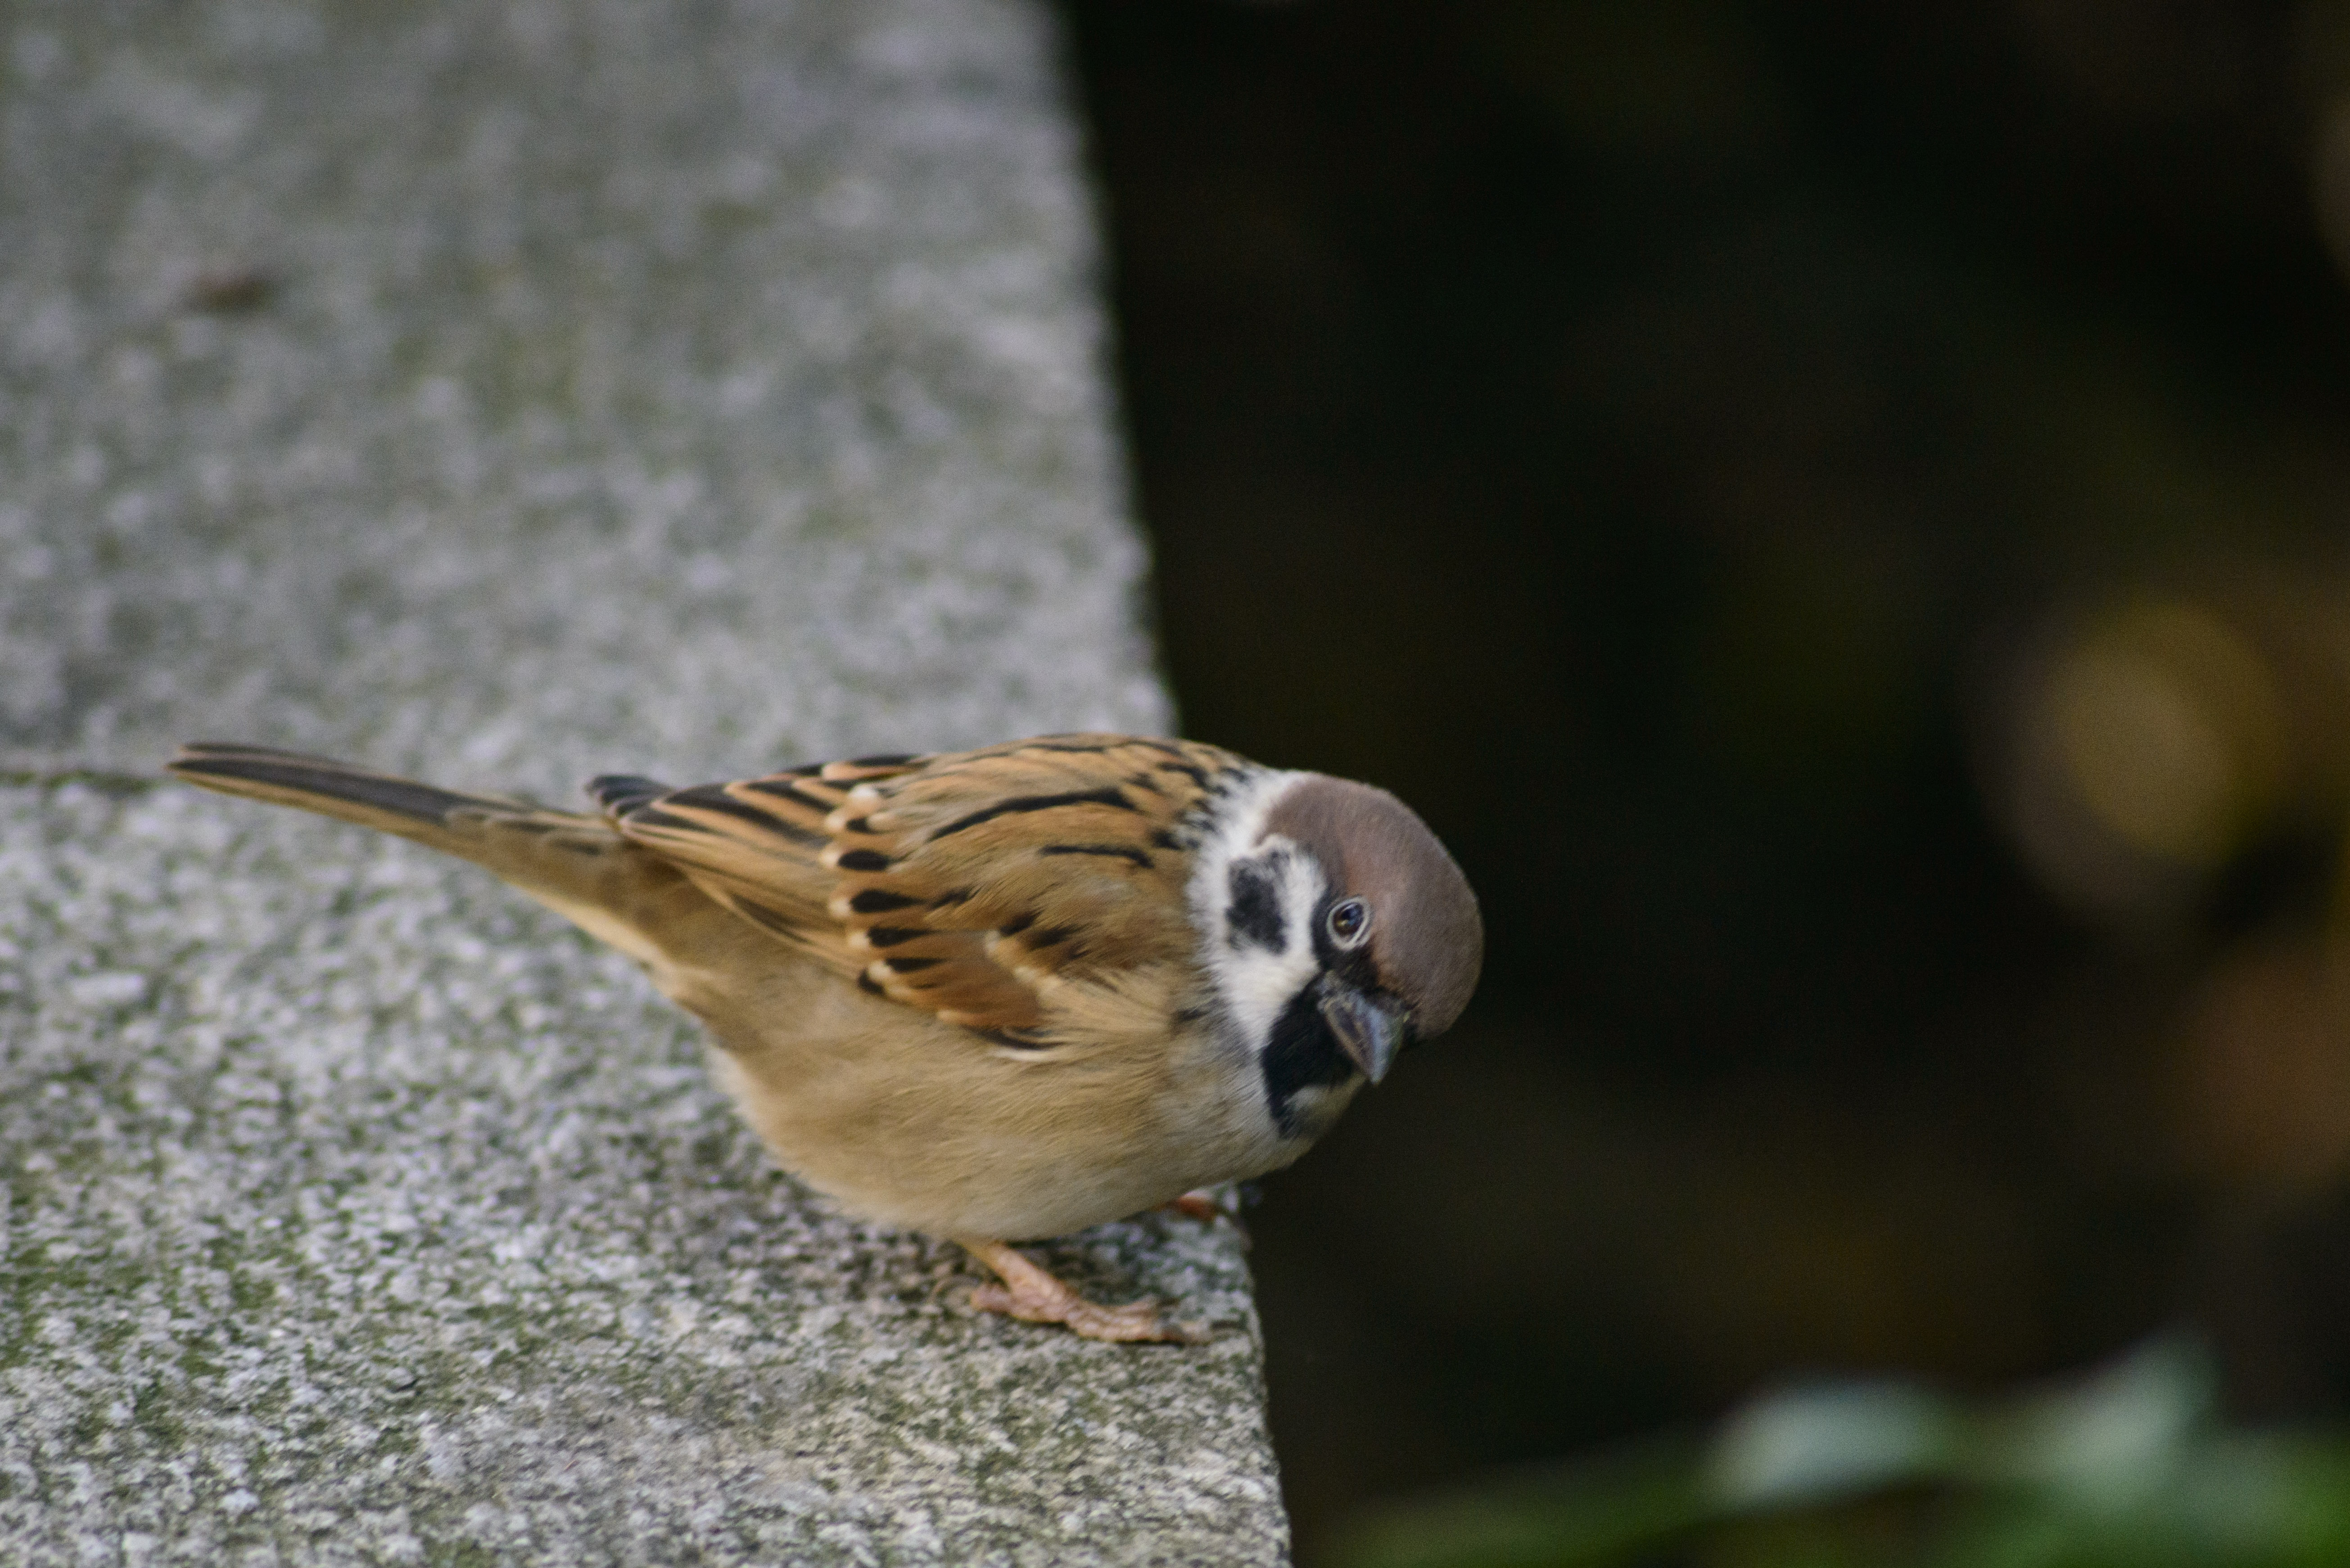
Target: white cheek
x=1258 y=984
x=1254 y=985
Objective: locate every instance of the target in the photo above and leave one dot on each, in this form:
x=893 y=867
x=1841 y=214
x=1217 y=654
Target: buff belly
x=934 y=1128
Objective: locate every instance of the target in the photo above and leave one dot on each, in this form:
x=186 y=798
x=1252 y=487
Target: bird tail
x=577 y=865
x=380 y=801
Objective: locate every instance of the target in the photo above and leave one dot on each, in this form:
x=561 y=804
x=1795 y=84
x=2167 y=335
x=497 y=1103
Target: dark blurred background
x=1836 y=512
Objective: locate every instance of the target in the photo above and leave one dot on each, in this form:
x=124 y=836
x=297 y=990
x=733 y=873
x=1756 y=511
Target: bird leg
x=1032 y=1294
x=1199 y=1204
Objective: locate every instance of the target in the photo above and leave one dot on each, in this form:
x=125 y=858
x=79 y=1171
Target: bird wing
x=991 y=888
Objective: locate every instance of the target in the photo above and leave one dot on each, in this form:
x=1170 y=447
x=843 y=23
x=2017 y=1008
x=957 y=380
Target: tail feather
x=323 y=784
x=575 y=864
x=563 y=858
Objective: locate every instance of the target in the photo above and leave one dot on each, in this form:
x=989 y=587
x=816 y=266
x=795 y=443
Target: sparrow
x=996 y=995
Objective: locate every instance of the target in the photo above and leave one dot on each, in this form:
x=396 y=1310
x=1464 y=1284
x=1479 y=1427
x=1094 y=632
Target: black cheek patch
x=1255 y=914
x=1302 y=1054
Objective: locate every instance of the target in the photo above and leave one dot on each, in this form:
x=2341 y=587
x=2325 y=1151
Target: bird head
x=1343 y=933
x=1396 y=931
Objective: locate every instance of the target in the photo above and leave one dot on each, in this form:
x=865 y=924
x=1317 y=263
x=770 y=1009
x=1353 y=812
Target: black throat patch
x=1303 y=1054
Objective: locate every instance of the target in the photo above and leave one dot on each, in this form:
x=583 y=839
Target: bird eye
x=1349 y=922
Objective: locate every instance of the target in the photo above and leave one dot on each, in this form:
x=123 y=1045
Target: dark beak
x=1371 y=1030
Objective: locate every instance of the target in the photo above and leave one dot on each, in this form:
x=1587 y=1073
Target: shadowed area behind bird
x=1835 y=512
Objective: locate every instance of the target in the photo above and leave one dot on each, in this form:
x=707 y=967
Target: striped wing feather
x=993 y=887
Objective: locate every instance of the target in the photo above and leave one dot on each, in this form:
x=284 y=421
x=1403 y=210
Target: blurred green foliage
x=2129 y=1469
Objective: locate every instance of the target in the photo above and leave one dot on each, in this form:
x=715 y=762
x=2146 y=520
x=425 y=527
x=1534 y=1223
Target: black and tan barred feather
x=1013 y=890
x=979 y=885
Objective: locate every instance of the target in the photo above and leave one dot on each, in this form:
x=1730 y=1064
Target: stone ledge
x=358 y=1209
x=681 y=389
x=591 y=387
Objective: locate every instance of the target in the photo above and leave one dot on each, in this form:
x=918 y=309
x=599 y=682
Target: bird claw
x=1135 y=1323
x=1034 y=1295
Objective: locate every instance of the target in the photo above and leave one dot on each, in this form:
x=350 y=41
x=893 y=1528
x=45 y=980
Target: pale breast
x=911 y=1122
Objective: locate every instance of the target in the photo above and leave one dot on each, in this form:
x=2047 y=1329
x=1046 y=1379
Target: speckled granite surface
x=509 y=392
x=706 y=384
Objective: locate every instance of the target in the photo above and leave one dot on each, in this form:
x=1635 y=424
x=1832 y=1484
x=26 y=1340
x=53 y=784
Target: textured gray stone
x=700 y=384
x=690 y=389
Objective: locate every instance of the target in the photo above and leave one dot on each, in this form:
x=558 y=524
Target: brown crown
x=1427 y=940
